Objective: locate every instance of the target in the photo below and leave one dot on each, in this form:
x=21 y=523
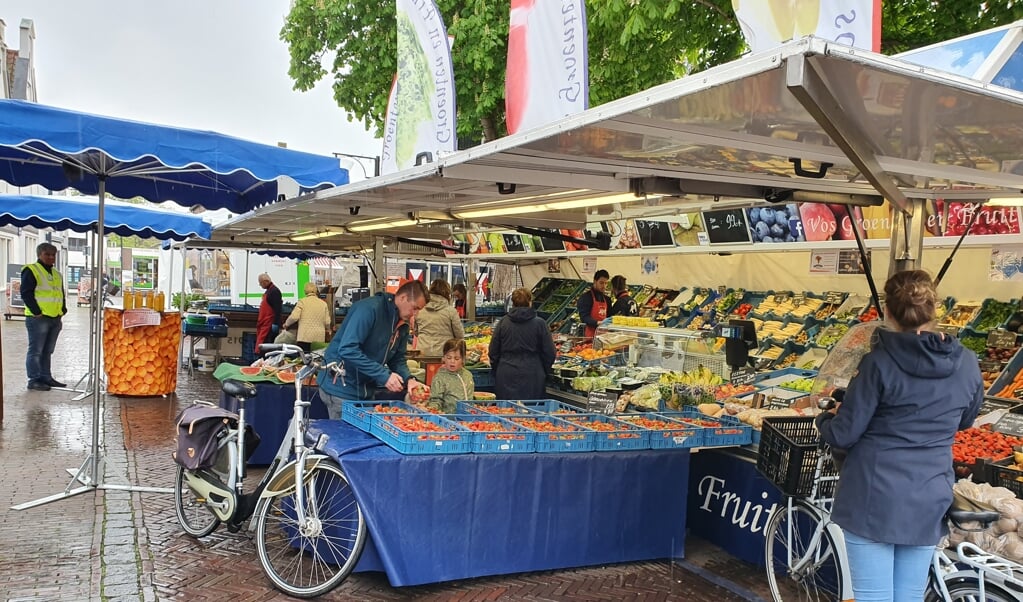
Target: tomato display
x=976 y=443
x=414 y=424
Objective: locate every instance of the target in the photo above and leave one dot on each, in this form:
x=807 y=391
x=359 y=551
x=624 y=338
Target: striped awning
x=326 y=263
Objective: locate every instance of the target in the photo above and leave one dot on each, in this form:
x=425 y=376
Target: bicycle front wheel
x=803 y=562
x=194 y=515
x=309 y=559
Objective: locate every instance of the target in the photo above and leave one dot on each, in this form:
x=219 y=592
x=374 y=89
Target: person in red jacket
x=594 y=305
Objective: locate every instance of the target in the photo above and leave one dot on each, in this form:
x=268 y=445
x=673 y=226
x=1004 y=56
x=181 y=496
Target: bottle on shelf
x=151 y=300
x=129 y=300
x=140 y=300
x=161 y=299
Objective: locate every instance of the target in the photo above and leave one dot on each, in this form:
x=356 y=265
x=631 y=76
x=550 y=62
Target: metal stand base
x=82 y=476
x=87 y=389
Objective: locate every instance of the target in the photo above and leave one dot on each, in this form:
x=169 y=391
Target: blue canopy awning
x=79 y=214
x=58 y=148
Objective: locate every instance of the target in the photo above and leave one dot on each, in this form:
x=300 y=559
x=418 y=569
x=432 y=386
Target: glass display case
x=667 y=348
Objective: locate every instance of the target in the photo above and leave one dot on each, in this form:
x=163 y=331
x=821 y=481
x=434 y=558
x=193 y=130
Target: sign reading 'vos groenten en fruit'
x=420 y=121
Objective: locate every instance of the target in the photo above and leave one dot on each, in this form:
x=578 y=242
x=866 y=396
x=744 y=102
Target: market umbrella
x=79 y=214
x=58 y=149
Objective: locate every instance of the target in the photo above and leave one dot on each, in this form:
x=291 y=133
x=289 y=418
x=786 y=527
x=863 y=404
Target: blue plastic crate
x=360 y=414
x=452 y=440
x=511 y=439
x=624 y=435
x=676 y=435
x=730 y=432
x=547 y=406
x=489 y=407
x=578 y=439
x=219 y=330
x=248 y=347
x=775 y=377
x=482 y=377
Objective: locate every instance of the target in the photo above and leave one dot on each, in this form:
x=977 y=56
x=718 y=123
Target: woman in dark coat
x=909 y=396
x=521 y=351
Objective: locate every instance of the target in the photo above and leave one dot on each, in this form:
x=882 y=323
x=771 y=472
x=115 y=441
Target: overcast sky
x=205 y=64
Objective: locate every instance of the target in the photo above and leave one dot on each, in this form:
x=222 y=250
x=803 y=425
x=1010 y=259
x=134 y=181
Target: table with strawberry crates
x=540 y=486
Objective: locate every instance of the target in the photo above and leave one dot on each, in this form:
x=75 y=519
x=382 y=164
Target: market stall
x=766 y=172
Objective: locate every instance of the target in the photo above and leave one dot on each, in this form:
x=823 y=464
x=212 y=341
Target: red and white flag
x=548 y=70
x=768 y=23
x=421 y=108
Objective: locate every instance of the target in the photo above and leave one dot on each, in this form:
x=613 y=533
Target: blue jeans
x=884 y=571
x=42 y=340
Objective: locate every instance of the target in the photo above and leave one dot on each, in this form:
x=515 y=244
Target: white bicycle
x=805 y=551
x=310 y=530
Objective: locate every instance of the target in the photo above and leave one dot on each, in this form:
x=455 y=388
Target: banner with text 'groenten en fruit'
x=547 y=76
x=420 y=121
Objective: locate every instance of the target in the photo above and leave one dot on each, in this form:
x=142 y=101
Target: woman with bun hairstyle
x=910 y=394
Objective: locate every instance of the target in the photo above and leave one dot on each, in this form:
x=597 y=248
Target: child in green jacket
x=452 y=382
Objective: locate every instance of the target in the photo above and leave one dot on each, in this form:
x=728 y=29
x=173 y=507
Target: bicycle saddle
x=239 y=389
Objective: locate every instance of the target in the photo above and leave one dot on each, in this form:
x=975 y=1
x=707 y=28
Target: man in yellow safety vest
x=42 y=290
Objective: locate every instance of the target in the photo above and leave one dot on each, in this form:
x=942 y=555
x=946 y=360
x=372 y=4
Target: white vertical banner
x=547 y=76
x=768 y=23
x=421 y=109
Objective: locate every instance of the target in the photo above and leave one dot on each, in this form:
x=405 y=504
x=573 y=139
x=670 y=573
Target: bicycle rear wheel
x=194 y=515
x=310 y=559
x=794 y=570
x=968 y=590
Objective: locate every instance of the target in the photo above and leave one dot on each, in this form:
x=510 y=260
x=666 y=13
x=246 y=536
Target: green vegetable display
x=994 y=314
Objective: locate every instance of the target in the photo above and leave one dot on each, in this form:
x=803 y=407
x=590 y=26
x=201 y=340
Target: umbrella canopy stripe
x=79 y=215
x=58 y=148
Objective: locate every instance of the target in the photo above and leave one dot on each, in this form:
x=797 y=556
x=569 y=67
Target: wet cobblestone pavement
x=110 y=544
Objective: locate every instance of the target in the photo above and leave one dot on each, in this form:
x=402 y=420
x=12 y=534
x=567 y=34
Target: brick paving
x=110 y=544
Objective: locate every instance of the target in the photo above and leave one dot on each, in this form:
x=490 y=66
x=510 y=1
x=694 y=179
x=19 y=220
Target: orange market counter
x=140 y=351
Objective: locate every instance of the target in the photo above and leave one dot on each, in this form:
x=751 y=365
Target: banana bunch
x=701 y=377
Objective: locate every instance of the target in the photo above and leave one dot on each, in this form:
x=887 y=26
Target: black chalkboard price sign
x=990 y=405
x=601 y=401
x=1002 y=339
x=1010 y=424
x=742 y=376
x=726 y=226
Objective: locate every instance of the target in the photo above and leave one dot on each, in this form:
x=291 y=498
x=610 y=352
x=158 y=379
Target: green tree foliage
x=633 y=45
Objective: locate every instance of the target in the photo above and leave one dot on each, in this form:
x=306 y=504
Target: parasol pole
x=97 y=348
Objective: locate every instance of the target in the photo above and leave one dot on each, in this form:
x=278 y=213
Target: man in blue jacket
x=369 y=348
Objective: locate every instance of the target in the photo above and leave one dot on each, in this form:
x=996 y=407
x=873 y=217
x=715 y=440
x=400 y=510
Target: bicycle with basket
x=805 y=554
x=309 y=528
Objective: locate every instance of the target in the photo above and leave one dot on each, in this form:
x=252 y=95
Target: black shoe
x=56 y=383
x=36 y=385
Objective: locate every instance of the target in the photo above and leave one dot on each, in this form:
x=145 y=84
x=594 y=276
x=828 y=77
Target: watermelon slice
x=250 y=370
x=285 y=376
